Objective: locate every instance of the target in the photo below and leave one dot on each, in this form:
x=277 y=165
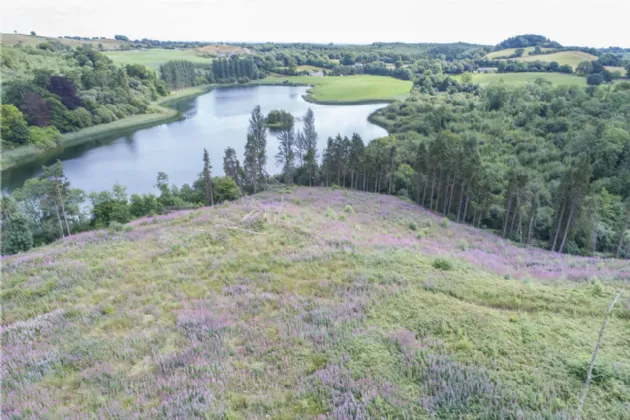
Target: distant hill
x=527 y=40
x=219 y=49
x=11 y=40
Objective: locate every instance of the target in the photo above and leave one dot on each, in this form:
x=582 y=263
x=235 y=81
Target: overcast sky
x=571 y=22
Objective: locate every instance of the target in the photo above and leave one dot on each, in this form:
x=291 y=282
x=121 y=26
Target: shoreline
x=25 y=154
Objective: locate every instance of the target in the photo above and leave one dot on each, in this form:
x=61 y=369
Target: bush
x=442 y=264
x=116 y=227
x=348 y=209
x=444 y=222
x=413 y=226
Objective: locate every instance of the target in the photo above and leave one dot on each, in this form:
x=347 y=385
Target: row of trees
x=47 y=208
x=234 y=69
x=178 y=74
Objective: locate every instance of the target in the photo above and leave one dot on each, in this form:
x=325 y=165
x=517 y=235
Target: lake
x=214 y=121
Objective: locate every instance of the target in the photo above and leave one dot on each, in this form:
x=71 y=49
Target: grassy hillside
x=347 y=89
x=509 y=51
x=306 y=303
x=521 y=78
x=11 y=40
x=572 y=58
x=155 y=56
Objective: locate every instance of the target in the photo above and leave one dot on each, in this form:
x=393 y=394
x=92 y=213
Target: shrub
x=116 y=226
x=442 y=264
x=413 y=226
x=463 y=245
x=444 y=222
x=348 y=209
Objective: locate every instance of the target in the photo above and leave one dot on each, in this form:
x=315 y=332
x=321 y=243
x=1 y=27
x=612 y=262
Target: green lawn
x=520 y=78
x=347 y=89
x=155 y=56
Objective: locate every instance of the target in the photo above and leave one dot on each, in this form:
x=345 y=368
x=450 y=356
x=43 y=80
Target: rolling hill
x=308 y=303
x=11 y=40
x=572 y=58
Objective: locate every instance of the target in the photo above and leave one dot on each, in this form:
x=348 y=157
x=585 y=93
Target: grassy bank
x=25 y=154
x=521 y=78
x=309 y=303
x=335 y=90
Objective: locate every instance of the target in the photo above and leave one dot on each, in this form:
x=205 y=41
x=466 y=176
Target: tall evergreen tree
x=207 y=178
x=256 y=148
x=286 y=148
x=232 y=167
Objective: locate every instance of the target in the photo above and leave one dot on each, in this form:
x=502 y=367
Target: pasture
x=521 y=78
x=153 y=57
x=494 y=55
x=572 y=58
x=347 y=89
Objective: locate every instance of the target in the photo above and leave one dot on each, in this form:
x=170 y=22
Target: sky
x=571 y=22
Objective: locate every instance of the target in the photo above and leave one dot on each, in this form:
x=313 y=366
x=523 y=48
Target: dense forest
x=55 y=89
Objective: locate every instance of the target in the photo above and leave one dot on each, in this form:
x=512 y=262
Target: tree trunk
x=530 y=229
x=507 y=216
x=437 y=199
x=59 y=219
x=465 y=209
x=589 y=373
x=555 y=238
x=461 y=199
x=63 y=210
x=424 y=192
x=516 y=210
x=445 y=196
x=566 y=230
x=450 y=199
x=432 y=191
x=622 y=234
x=594 y=236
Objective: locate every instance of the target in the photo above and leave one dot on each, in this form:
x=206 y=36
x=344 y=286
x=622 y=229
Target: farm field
x=572 y=58
x=509 y=51
x=153 y=57
x=347 y=89
x=10 y=40
x=521 y=78
x=308 y=303
x=621 y=70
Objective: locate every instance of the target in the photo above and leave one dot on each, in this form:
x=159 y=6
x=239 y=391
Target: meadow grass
x=572 y=58
x=308 y=303
x=153 y=57
x=494 y=55
x=521 y=78
x=346 y=89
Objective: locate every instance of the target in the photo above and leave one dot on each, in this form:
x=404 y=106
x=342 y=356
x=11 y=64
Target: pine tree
x=256 y=148
x=286 y=148
x=207 y=178
x=232 y=167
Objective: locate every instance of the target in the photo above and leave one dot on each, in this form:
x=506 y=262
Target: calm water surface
x=216 y=120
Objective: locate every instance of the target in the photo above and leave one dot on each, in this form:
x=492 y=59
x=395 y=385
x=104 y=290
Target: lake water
x=214 y=121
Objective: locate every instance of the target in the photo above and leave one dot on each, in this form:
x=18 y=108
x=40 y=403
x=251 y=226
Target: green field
x=509 y=51
x=572 y=58
x=621 y=70
x=13 y=39
x=521 y=78
x=308 y=67
x=347 y=89
x=155 y=56
x=289 y=303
